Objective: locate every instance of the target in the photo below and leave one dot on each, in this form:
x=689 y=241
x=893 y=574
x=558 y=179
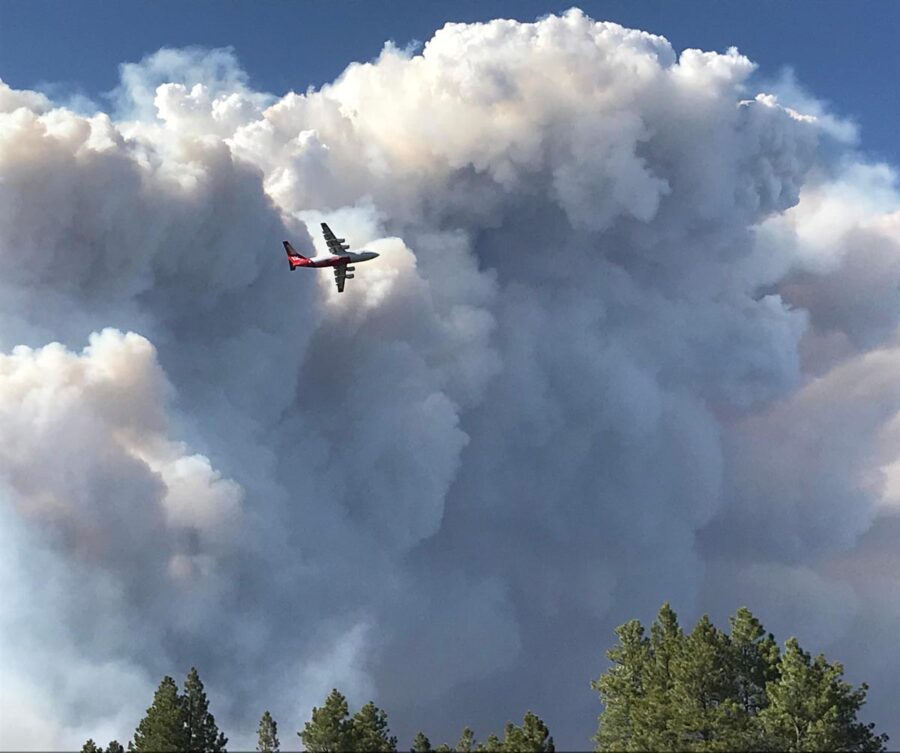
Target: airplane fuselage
x=336 y=260
x=339 y=257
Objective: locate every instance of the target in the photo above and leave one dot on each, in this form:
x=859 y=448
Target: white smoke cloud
x=630 y=338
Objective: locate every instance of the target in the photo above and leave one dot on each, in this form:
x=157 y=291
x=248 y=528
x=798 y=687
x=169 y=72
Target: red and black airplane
x=340 y=257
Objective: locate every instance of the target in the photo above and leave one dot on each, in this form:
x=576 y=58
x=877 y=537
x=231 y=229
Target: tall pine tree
x=200 y=726
x=752 y=664
x=753 y=660
x=812 y=708
x=421 y=744
x=163 y=729
x=532 y=737
x=466 y=741
x=369 y=729
x=622 y=690
x=115 y=747
x=493 y=744
x=712 y=691
x=267 y=734
x=330 y=728
x=703 y=710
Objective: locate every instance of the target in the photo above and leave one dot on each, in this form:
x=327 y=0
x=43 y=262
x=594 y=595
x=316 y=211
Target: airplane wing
x=340 y=276
x=335 y=244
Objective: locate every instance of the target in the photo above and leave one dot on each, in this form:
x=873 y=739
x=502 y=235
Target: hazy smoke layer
x=632 y=337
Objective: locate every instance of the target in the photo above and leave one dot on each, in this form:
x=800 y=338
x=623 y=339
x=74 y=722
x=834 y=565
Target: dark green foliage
x=443 y=748
x=421 y=744
x=267 y=735
x=90 y=747
x=370 y=730
x=115 y=747
x=492 y=745
x=753 y=660
x=177 y=723
x=200 y=726
x=702 y=711
x=622 y=691
x=711 y=691
x=330 y=728
x=812 y=708
x=466 y=741
x=162 y=730
x=532 y=737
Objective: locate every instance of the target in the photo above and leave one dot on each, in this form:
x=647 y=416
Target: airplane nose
x=374 y=255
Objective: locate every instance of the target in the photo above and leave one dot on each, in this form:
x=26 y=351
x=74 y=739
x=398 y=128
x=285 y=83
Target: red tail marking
x=294 y=259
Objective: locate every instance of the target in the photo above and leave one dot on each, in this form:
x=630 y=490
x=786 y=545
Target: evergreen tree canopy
x=267 y=735
x=622 y=691
x=532 y=737
x=703 y=711
x=90 y=747
x=493 y=744
x=330 y=728
x=421 y=744
x=753 y=660
x=115 y=747
x=466 y=741
x=370 y=730
x=163 y=729
x=714 y=691
x=200 y=726
x=812 y=708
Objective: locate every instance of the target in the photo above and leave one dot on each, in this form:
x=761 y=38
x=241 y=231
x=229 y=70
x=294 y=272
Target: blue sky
x=843 y=52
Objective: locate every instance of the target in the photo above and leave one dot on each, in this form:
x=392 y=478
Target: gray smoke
x=631 y=338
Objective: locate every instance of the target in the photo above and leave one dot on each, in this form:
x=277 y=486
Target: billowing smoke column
x=632 y=337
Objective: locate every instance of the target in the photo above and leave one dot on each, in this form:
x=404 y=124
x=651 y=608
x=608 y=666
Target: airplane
x=340 y=257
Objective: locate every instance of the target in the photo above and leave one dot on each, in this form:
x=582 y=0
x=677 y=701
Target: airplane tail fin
x=294 y=259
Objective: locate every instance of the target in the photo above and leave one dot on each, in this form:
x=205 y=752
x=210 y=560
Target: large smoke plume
x=632 y=337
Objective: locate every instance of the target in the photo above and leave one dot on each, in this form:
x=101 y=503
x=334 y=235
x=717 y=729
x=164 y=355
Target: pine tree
x=532 y=737
x=202 y=734
x=421 y=744
x=162 y=730
x=812 y=708
x=370 y=731
x=712 y=691
x=466 y=741
x=493 y=744
x=621 y=689
x=703 y=708
x=330 y=729
x=115 y=747
x=651 y=717
x=267 y=734
x=443 y=748
x=752 y=663
x=90 y=747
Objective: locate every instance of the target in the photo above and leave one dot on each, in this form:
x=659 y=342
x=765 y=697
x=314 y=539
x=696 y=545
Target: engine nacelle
x=350 y=269
x=349 y=277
